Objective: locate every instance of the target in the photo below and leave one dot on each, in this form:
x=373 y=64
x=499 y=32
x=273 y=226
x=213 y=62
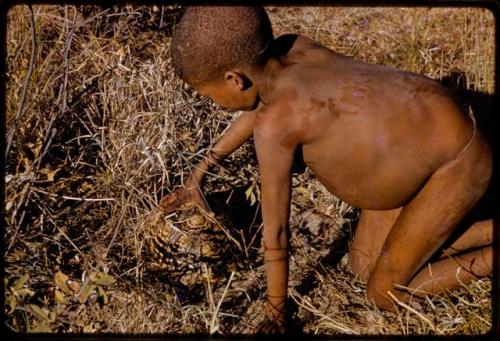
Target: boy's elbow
x=275 y=237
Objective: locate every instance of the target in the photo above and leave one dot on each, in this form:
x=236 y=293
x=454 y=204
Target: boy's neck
x=265 y=78
x=279 y=49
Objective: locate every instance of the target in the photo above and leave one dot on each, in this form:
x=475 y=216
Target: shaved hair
x=209 y=40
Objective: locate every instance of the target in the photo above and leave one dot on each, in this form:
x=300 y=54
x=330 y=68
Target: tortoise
x=188 y=242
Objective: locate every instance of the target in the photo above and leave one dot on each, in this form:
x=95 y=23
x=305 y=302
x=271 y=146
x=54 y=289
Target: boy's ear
x=238 y=80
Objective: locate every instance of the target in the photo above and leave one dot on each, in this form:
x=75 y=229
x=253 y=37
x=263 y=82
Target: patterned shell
x=181 y=242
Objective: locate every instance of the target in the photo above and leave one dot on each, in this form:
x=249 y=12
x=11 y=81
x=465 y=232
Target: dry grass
x=106 y=130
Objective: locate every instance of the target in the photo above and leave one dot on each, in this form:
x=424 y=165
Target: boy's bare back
x=371 y=134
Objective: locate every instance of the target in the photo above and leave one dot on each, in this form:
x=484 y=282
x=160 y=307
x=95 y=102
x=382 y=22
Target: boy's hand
x=239 y=132
x=275 y=320
x=190 y=192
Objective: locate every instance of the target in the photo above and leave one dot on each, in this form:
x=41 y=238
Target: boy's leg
x=373 y=227
x=451 y=272
x=371 y=231
x=478 y=235
x=428 y=220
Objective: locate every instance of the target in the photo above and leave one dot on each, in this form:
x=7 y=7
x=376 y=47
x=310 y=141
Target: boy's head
x=212 y=46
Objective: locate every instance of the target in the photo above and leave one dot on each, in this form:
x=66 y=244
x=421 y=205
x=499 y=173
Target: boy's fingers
x=170 y=202
x=201 y=202
x=167 y=200
x=174 y=200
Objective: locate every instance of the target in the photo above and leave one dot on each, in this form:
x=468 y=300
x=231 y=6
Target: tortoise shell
x=183 y=241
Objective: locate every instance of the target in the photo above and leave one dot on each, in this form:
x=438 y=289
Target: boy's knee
x=377 y=293
x=381 y=287
x=275 y=238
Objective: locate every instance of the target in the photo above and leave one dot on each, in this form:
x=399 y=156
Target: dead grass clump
x=432 y=41
x=105 y=130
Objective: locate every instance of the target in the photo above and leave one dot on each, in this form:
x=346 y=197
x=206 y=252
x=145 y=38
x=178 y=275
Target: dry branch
x=26 y=82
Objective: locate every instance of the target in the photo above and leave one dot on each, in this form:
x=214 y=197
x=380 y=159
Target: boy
x=392 y=143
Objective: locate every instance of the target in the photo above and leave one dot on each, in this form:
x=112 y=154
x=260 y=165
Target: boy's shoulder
x=290 y=41
x=302 y=62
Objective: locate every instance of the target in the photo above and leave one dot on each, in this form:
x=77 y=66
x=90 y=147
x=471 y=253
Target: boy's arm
x=237 y=134
x=275 y=163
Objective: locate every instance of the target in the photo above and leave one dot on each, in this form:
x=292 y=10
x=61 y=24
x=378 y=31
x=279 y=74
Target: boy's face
x=228 y=95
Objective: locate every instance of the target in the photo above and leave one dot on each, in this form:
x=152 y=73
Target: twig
x=51 y=132
x=13 y=238
x=216 y=312
x=86 y=199
x=73 y=198
x=408 y=307
x=39 y=222
x=48 y=141
x=74 y=101
x=309 y=307
x=70 y=241
x=488 y=323
x=69 y=39
x=117 y=228
x=209 y=294
x=25 y=83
